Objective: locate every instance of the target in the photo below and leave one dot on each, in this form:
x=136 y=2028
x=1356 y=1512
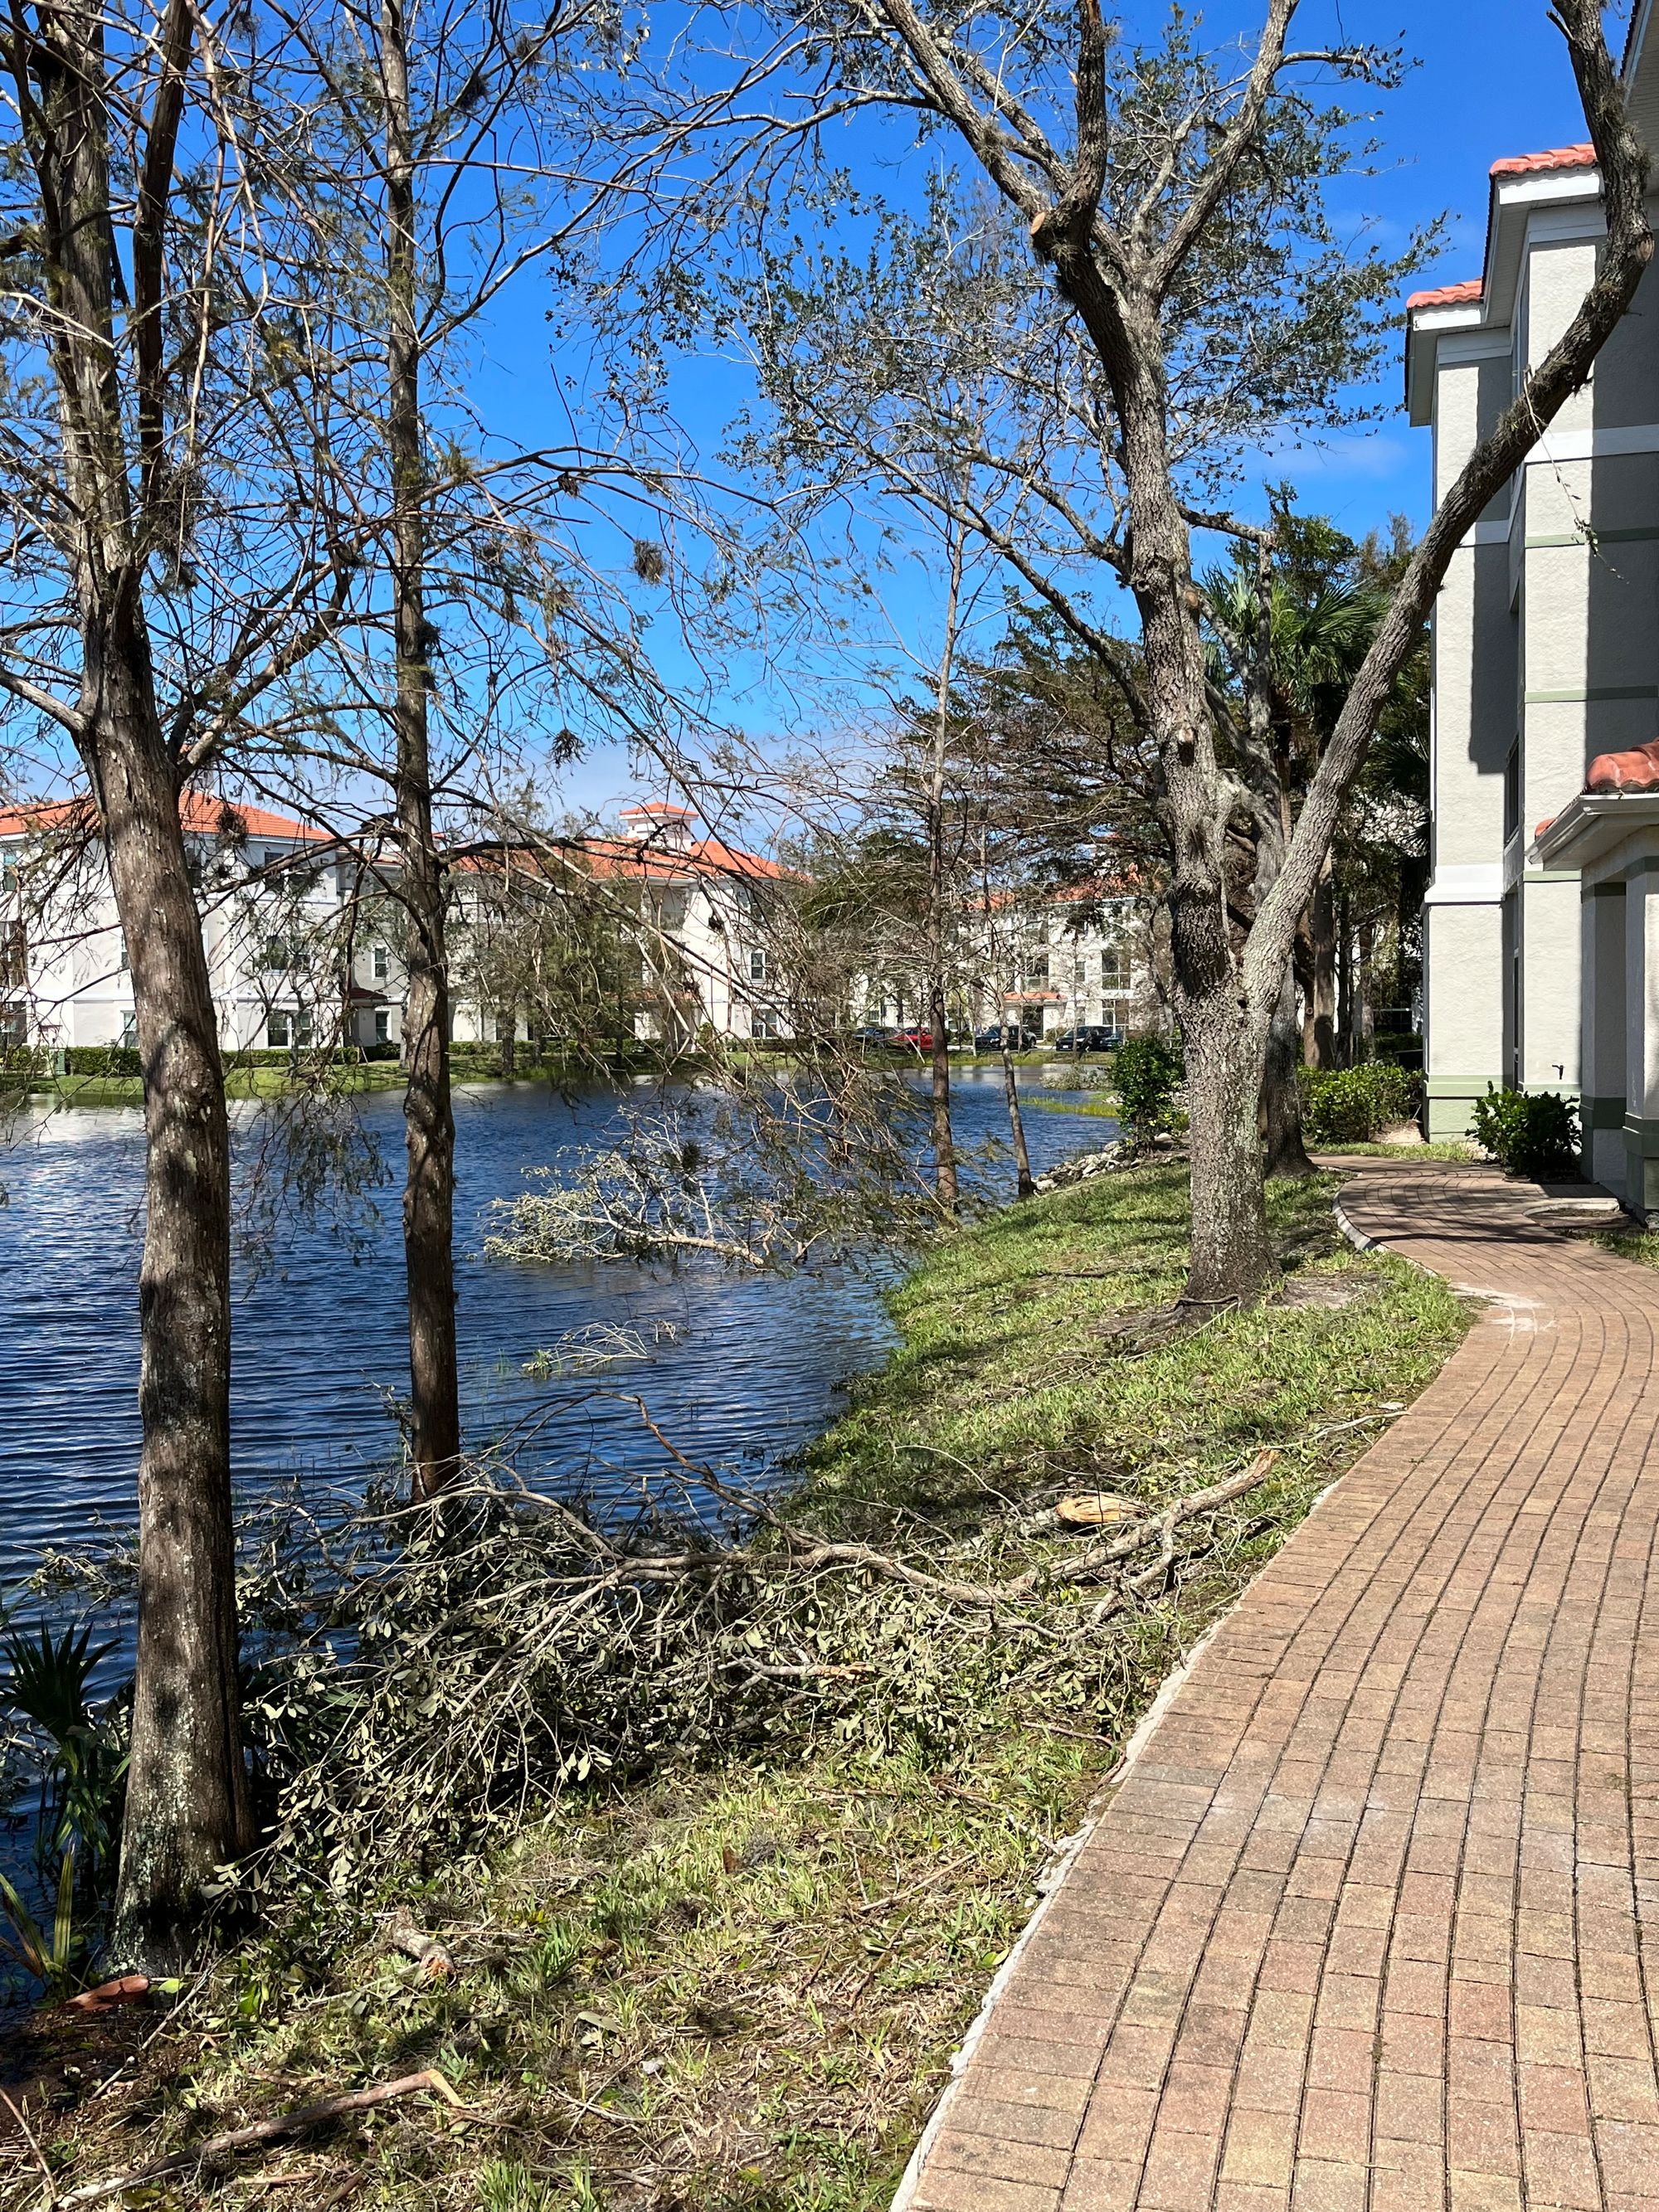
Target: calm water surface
x=740 y=1370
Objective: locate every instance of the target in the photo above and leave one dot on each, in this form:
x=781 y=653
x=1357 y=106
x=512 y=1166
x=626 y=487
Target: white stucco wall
x=1464 y=962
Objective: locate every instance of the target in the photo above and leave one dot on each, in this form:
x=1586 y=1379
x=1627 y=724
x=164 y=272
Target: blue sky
x=1491 y=79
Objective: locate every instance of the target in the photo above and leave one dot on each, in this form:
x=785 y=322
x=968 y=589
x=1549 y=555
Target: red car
x=918 y=1040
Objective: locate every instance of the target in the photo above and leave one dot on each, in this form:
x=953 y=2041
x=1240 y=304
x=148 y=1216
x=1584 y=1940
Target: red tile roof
x=1512 y=165
x=202 y=813
x=706 y=856
x=1558 y=157
x=1447 y=295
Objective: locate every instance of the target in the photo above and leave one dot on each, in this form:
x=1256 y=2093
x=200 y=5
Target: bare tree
x=1197 y=300
x=166 y=569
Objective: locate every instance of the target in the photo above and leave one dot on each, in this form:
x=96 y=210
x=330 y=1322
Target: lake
x=739 y=1370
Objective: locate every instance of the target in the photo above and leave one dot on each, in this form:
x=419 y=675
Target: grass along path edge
x=739 y=1987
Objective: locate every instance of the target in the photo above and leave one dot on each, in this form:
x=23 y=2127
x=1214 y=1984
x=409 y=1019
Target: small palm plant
x=45 y=1679
x=52 y=1959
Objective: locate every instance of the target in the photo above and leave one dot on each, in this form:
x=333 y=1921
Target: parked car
x=1019 y=1040
x=1089 y=1037
x=873 y=1038
x=917 y=1040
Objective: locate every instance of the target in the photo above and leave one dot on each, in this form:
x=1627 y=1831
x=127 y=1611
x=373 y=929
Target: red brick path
x=1370 y=1925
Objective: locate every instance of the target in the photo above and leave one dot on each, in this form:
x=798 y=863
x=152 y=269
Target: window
x=302 y=1026
x=278 y=1030
x=383 y=1027
x=759 y=968
x=128 y=1030
x=672 y=906
x=766 y=1023
x=122 y=963
x=274 y=955
x=1116 y=980
x=1512 y=791
x=380 y=963
x=1037 y=969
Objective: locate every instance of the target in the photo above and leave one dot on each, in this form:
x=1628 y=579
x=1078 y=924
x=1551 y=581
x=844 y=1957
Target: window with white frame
x=381 y=963
x=759 y=966
x=383 y=1027
x=128 y=1030
x=1116 y=980
x=279 y=1029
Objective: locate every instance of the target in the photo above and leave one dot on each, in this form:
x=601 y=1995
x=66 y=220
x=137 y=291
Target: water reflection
x=741 y=1370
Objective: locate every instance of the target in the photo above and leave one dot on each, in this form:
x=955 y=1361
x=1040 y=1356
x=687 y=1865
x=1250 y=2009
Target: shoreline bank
x=737 y=1983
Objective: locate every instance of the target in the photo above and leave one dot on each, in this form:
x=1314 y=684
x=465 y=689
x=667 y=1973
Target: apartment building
x=1541 y=951
x=302 y=931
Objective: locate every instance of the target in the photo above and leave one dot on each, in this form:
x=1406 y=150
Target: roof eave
x=1511 y=194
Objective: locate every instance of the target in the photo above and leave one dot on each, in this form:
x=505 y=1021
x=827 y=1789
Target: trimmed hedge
x=101 y=1060
x=1355 y=1105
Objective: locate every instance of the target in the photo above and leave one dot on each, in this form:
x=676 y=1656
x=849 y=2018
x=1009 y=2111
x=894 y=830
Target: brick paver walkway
x=1370 y=1925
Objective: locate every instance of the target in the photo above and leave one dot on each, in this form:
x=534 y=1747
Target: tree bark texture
x=187 y=1804
x=428 y=1116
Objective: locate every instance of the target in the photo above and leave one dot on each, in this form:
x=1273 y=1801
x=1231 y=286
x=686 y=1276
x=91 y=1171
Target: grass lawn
x=738 y=1989
x=240 y=1083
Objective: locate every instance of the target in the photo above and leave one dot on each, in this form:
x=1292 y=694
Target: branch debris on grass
x=724 y=1853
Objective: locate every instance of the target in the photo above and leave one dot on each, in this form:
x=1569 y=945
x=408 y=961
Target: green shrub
x=1145 y=1076
x=1529 y=1132
x=23 y=1063
x=1354 y=1105
x=103 y=1059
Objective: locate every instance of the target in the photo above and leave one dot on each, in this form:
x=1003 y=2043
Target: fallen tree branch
x=303 y=2116
x=1092 y=1565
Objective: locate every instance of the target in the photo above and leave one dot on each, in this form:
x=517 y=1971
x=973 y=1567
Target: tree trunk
x=945 y=1151
x=1016 y=1121
x=1232 y=1256
x=510 y=1047
x=187 y=1807
x=428 y=1118
x=1345 y=1010
x=1321 y=937
x=1364 y=1013
x=1281 y=1093
x=187 y=1804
